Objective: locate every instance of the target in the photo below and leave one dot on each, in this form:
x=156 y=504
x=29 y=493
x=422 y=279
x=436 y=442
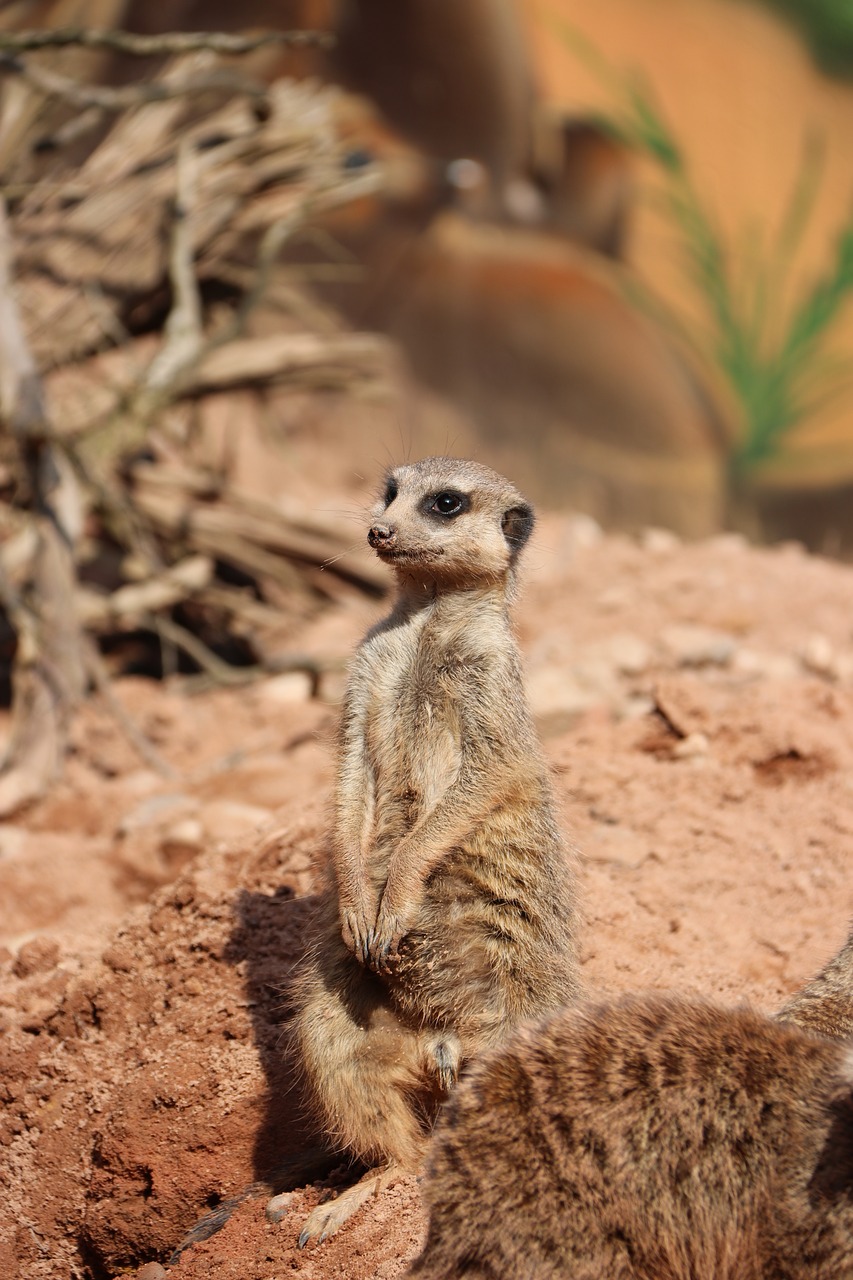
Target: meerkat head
x=454 y=522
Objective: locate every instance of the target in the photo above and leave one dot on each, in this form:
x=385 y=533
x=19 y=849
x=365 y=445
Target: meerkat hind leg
x=444 y=1058
x=328 y=1217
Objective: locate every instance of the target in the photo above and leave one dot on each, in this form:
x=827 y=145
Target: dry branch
x=137 y=739
x=105 y=98
x=97 y=610
x=304 y=358
x=183 y=331
x=255 y=184
x=182 y=197
x=169 y=43
x=49 y=675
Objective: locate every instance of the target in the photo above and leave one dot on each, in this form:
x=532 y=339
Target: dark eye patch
x=447 y=503
x=391 y=491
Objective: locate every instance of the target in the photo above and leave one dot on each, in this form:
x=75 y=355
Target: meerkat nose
x=381 y=535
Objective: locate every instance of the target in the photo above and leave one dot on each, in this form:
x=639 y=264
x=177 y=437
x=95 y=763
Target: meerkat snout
x=381 y=536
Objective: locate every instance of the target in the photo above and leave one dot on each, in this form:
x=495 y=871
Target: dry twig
x=49 y=673
x=169 y=43
x=230 y=190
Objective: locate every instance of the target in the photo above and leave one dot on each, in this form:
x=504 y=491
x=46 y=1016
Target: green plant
x=768 y=344
x=827 y=26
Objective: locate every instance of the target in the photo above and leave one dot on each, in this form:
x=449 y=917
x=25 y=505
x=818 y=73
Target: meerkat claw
x=447 y=1065
x=324 y=1221
x=356 y=935
x=384 y=941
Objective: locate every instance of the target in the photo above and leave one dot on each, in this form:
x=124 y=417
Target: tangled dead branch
x=159 y=245
x=169 y=42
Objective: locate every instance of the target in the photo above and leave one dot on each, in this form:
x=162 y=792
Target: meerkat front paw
x=356 y=924
x=386 y=935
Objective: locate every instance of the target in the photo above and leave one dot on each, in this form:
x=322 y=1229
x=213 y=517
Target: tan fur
x=451 y=915
x=651 y=1138
x=825 y=1004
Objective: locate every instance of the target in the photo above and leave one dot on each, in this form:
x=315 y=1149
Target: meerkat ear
x=517 y=525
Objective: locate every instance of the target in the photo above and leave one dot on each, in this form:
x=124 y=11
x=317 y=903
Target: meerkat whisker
x=324 y=564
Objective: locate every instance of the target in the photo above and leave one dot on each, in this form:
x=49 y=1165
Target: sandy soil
x=696 y=704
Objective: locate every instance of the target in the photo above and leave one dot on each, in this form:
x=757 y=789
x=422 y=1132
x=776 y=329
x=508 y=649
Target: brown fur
x=825 y=1004
x=451 y=915
x=652 y=1138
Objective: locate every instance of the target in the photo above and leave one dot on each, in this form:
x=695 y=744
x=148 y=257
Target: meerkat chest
x=414 y=714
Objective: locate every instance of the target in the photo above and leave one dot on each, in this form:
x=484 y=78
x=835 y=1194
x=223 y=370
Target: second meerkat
x=653 y=1137
x=450 y=916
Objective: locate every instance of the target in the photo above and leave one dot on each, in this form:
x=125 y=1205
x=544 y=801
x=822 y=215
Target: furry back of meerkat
x=450 y=915
x=825 y=1003
x=651 y=1138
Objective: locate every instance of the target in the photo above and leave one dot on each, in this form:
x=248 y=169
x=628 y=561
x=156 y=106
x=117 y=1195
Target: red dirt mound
x=697 y=707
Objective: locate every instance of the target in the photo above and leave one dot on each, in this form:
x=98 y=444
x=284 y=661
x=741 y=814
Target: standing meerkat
x=450 y=915
x=651 y=1138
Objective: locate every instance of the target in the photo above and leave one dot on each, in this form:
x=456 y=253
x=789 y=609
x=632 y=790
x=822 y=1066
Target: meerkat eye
x=449 y=503
x=391 y=491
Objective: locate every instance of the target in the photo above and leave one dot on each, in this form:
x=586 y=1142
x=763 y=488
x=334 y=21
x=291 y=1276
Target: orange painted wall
x=742 y=94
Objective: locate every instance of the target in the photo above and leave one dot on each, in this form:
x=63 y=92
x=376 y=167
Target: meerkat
x=652 y=1138
x=825 y=1004
x=450 y=916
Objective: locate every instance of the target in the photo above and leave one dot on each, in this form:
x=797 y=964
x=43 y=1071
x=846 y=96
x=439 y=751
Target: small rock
x=603 y=815
x=37 y=956
x=141 y=782
x=552 y=689
x=694 y=745
x=12 y=840
x=120 y=958
x=628 y=653
x=659 y=541
x=155 y=810
x=332 y=687
x=617 y=846
x=844 y=668
x=151 y=1271
x=635 y=707
x=616 y=597
x=183 y=840
x=229 y=819
x=582 y=532
x=291 y=686
x=758 y=662
x=818 y=656
x=728 y=543
x=278 y=1206
x=597 y=674
x=695 y=646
